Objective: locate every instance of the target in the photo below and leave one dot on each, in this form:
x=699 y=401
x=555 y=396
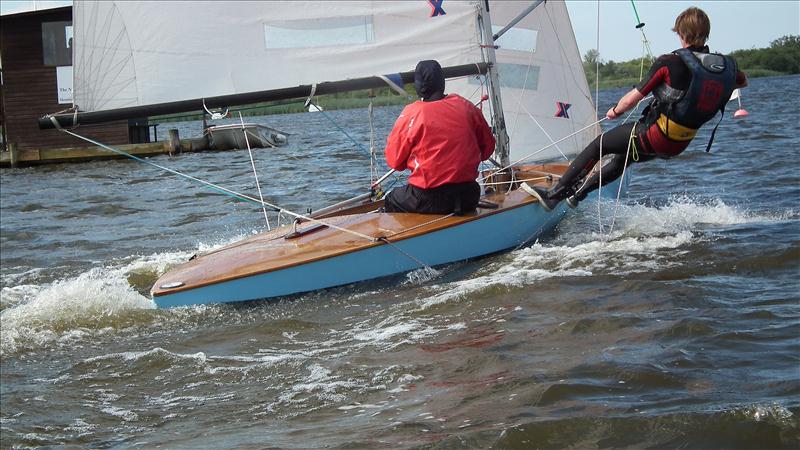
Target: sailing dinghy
x=520 y=55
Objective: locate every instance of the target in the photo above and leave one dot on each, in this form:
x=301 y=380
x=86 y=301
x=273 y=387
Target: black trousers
x=614 y=142
x=449 y=198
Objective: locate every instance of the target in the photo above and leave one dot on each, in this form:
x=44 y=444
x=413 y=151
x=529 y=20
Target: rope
x=221 y=189
x=633 y=153
x=373 y=159
x=543 y=130
x=421 y=264
x=522 y=97
x=597 y=67
x=438 y=219
x=523 y=180
x=543 y=149
x=255 y=172
x=358 y=144
x=631 y=145
x=600 y=186
x=646 y=50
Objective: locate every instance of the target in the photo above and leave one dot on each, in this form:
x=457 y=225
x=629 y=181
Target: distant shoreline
x=361 y=99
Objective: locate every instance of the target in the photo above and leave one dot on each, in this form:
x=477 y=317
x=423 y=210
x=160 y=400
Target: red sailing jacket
x=441 y=142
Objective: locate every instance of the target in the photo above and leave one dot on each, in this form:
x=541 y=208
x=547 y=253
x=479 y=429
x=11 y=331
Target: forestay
x=143 y=53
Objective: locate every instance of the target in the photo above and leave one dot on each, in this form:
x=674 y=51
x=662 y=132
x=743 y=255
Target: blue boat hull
x=505 y=230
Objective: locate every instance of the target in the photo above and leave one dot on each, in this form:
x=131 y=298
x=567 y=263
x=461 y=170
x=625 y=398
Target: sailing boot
x=580 y=194
x=574 y=199
x=543 y=195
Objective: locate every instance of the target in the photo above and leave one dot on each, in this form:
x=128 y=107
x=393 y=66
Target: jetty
x=14 y=157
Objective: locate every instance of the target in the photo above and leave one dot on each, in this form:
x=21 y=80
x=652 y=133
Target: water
x=676 y=328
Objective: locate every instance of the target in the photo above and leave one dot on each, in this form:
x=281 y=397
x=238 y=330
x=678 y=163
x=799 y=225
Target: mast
x=70 y=119
x=499 y=122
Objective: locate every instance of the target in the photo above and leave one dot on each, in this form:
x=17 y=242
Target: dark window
x=57 y=43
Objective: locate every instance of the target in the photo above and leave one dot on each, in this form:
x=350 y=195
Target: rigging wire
x=597 y=67
x=338 y=127
x=416 y=260
x=373 y=159
x=646 y=51
x=543 y=149
x=255 y=172
x=221 y=189
x=544 y=131
x=352 y=139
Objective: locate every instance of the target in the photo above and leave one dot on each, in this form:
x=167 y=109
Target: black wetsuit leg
x=613 y=169
x=613 y=142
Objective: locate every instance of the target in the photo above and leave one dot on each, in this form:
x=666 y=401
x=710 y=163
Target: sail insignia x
x=563 y=109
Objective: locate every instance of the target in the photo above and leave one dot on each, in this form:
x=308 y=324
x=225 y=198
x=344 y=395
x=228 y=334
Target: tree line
x=782 y=57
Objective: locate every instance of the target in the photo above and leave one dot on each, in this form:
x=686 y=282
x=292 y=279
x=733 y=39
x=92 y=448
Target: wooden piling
x=13 y=154
x=174 y=142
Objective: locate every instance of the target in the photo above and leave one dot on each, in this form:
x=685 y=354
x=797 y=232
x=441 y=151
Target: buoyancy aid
x=680 y=113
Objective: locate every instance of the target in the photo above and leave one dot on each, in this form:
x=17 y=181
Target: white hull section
x=227 y=137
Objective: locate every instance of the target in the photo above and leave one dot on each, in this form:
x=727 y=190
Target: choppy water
x=677 y=328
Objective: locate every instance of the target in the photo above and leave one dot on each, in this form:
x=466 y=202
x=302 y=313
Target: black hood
x=429 y=80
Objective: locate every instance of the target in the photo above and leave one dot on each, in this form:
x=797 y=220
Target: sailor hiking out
x=689 y=86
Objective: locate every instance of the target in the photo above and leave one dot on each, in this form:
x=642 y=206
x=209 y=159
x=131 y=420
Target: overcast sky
x=734 y=24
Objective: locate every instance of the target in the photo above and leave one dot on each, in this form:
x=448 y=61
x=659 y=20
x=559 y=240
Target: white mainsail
x=545 y=93
x=142 y=53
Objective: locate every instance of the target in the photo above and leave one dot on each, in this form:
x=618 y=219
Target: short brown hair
x=693 y=26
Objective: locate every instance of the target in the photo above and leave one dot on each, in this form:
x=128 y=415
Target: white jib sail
x=143 y=53
x=545 y=93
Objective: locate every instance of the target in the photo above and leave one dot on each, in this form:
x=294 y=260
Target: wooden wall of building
x=30 y=87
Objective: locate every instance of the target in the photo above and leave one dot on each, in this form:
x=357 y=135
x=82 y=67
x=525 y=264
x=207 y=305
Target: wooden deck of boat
x=277 y=249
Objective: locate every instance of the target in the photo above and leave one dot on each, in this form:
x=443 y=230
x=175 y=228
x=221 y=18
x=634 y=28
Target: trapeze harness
x=680 y=113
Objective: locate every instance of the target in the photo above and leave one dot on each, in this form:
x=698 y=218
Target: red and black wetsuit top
x=672 y=72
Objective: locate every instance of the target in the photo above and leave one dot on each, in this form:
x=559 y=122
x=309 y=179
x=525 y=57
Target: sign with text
x=64 y=82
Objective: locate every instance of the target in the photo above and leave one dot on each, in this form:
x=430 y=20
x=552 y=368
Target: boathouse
x=36 y=64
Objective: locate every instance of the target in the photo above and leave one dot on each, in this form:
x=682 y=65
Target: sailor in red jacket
x=442 y=139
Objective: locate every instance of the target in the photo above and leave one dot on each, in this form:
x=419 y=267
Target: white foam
x=643 y=239
x=421 y=275
x=774 y=413
x=96 y=302
x=199 y=357
x=318 y=384
x=81 y=427
x=90 y=303
x=124 y=414
x=385 y=333
x=682 y=213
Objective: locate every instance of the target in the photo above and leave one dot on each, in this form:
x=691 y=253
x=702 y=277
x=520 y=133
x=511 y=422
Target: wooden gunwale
x=431 y=223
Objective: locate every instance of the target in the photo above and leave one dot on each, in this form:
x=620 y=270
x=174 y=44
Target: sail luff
x=545 y=95
x=332 y=87
x=499 y=123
